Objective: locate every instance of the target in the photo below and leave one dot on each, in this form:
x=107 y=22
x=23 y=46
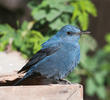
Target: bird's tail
x=18 y=82
x=25 y=76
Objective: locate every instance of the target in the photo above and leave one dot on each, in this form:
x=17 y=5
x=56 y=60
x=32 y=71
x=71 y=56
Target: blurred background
x=26 y=24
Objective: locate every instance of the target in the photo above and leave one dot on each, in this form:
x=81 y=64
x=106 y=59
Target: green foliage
x=82 y=9
x=5 y=33
x=24 y=39
x=107 y=47
x=57 y=13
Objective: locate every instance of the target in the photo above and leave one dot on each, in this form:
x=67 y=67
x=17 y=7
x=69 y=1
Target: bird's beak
x=84 y=32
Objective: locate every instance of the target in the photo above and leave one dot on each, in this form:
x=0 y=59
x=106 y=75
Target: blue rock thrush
x=58 y=57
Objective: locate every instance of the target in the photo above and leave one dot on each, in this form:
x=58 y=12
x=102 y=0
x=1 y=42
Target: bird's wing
x=39 y=56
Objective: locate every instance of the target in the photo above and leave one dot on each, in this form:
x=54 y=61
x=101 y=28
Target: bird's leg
x=64 y=81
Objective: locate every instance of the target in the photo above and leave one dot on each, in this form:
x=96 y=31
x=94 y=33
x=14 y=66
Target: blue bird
x=58 y=57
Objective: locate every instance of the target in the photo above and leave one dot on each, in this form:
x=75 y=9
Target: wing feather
x=38 y=57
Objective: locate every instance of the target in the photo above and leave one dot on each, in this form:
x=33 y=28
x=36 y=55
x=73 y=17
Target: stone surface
x=42 y=92
x=10 y=62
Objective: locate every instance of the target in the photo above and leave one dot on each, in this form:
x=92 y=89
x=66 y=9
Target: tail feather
x=28 y=74
x=18 y=82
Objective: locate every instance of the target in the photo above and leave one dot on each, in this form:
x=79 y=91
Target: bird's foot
x=64 y=81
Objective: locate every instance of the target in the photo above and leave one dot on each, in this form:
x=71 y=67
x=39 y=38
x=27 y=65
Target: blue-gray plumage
x=58 y=56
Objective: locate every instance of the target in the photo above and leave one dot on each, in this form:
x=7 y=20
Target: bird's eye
x=69 y=33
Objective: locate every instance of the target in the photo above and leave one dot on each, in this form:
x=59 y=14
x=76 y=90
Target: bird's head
x=69 y=32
